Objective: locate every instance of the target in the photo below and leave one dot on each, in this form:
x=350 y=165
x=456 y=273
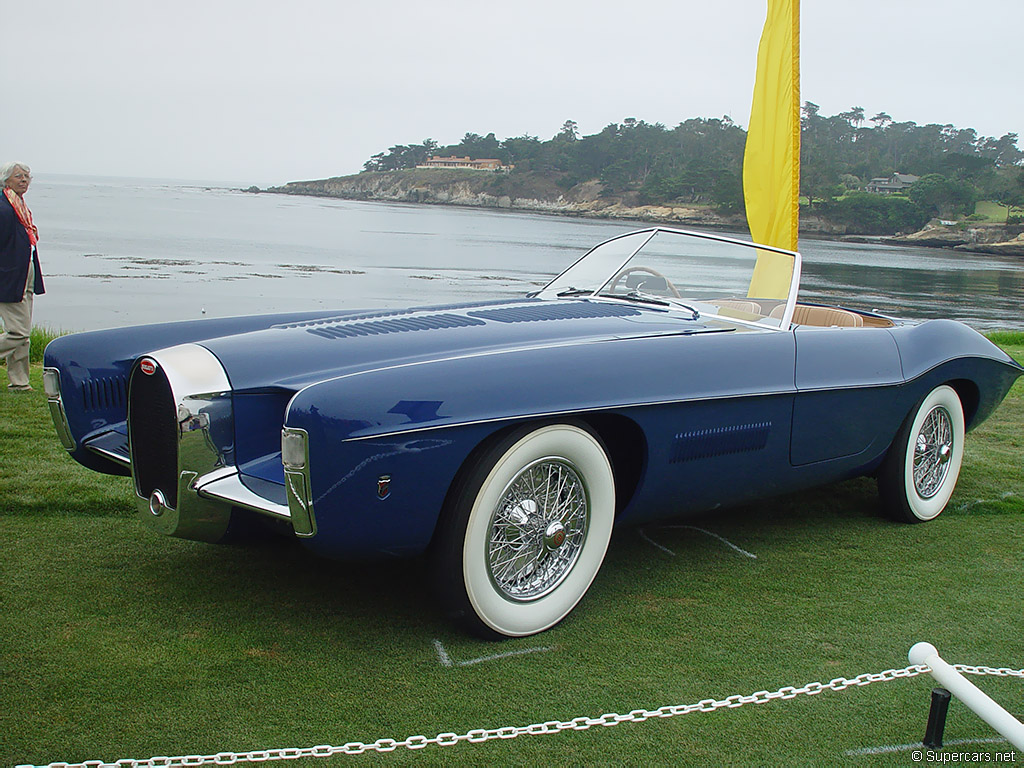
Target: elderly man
x=20 y=277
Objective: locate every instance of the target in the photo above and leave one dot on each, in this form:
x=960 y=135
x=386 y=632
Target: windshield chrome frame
x=785 y=323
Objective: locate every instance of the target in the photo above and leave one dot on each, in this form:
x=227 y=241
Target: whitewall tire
x=525 y=531
x=920 y=472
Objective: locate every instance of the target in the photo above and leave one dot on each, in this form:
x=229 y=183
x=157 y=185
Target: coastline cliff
x=524 y=192
x=536 y=193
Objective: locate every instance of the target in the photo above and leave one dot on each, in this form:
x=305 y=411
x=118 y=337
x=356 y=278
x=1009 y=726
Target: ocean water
x=119 y=252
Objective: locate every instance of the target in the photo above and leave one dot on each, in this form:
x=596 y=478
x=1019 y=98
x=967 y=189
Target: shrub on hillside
x=864 y=213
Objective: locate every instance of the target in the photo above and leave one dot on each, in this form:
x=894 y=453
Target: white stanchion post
x=979 y=702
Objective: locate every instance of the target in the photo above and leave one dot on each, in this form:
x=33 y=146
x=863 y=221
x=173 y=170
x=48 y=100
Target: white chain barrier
x=583 y=723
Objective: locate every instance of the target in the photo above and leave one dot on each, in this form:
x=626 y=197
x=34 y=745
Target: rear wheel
x=525 y=531
x=920 y=472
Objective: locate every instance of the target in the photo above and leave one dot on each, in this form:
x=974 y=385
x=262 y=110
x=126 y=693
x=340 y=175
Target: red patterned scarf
x=24 y=214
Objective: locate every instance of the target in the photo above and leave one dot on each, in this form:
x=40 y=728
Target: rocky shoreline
x=487 y=190
x=990 y=238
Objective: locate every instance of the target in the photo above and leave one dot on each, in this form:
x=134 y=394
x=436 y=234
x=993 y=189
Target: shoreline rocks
x=1014 y=247
x=972 y=237
x=582 y=200
x=483 y=189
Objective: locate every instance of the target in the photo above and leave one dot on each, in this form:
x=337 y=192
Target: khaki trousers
x=14 y=341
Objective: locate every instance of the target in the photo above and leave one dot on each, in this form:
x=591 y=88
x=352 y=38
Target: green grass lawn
x=994 y=211
x=118 y=643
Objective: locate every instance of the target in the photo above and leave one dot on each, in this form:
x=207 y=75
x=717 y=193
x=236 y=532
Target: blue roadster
x=664 y=373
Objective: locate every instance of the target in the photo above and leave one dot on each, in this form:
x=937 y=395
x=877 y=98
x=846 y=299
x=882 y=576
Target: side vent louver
x=719 y=441
x=105 y=393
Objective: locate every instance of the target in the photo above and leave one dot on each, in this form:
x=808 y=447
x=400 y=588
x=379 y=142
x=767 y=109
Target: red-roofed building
x=480 y=164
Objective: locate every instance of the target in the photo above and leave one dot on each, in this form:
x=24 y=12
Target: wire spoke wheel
x=538 y=530
x=525 y=530
x=933 y=451
x=920 y=471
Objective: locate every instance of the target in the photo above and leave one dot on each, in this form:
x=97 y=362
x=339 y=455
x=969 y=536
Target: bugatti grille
x=153 y=435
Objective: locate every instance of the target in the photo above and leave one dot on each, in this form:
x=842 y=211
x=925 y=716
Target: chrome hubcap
x=554 y=536
x=932 y=452
x=537 y=530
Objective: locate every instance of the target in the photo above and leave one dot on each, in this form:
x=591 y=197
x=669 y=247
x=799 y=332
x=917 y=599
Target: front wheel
x=920 y=472
x=525 y=531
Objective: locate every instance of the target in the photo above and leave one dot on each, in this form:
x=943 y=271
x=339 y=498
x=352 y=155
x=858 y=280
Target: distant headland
x=931 y=185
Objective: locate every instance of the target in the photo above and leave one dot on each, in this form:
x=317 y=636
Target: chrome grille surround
x=180 y=428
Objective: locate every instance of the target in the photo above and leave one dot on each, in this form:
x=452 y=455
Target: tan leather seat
x=821 y=317
x=751 y=307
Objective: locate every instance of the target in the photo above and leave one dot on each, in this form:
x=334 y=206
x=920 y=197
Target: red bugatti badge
x=148 y=366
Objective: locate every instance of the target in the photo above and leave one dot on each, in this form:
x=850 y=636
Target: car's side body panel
x=845 y=378
x=684 y=391
x=705 y=454
x=553 y=379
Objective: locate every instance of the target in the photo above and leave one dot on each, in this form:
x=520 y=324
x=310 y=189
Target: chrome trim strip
x=794 y=291
x=226 y=485
x=60 y=419
x=298 y=488
x=117 y=458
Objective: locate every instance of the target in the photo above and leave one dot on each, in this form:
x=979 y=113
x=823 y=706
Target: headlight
x=293 y=448
x=51 y=383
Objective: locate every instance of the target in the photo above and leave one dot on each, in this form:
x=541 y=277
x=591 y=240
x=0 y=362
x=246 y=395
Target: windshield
x=695 y=273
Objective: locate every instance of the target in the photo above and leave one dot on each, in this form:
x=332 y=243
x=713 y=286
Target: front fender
x=382 y=495
x=93 y=372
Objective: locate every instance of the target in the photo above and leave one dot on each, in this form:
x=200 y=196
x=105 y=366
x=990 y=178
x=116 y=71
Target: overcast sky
x=259 y=92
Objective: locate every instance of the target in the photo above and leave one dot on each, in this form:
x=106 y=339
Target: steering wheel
x=644 y=270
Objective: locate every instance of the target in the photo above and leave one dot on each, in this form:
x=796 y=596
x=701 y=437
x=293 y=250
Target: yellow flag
x=771 y=161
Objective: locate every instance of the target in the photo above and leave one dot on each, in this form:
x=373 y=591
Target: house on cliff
x=480 y=164
x=898 y=182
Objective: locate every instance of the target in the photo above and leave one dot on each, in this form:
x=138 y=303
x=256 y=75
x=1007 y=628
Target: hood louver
x=395 y=325
x=576 y=310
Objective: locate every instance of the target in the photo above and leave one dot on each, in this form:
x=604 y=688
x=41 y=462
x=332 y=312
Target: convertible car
x=664 y=373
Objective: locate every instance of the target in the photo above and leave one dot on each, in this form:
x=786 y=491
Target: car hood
x=295 y=355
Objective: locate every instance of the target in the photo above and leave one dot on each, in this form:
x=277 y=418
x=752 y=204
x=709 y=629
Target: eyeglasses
x=24 y=176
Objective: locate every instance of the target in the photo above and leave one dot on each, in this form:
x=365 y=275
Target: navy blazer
x=15 y=249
